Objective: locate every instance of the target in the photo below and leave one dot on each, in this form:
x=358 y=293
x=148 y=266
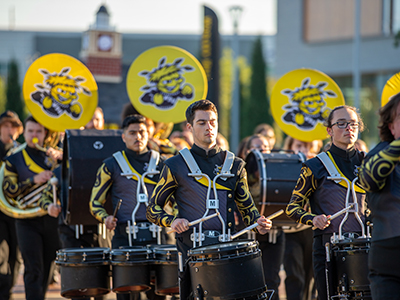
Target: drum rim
x=212 y=249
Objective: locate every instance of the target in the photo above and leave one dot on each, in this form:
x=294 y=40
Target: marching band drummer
x=37 y=236
x=379 y=175
x=202 y=118
x=136 y=158
x=325 y=196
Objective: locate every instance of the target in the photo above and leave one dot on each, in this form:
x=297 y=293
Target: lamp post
x=235 y=12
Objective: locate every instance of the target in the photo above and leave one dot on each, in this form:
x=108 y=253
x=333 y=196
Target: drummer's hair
x=328 y=121
x=133 y=119
x=205 y=105
x=387 y=114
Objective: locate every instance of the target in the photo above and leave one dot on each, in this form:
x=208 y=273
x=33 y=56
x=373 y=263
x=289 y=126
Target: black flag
x=210 y=53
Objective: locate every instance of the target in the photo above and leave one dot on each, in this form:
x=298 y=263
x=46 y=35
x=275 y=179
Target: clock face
x=104 y=42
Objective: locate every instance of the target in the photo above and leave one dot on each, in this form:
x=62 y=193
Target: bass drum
x=230 y=270
x=84 y=152
x=272 y=178
x=84 y=272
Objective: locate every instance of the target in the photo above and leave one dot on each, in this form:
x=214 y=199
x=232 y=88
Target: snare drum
x=228 y=270
x=272 y=178
x=350 y=265
x=131 y=269
x=165 y=265
x=84 y=272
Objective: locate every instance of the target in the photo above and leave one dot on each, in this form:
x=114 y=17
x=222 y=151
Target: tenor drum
x=350 y=265
x=84 y=272
x=165 y=265
x=228 y=270
x=272 y=178
x=84 y=152
x=131 y=269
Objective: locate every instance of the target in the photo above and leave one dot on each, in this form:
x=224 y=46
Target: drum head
x=73 y=256
x=165 y=252
x=131 y=254
x=226 y=249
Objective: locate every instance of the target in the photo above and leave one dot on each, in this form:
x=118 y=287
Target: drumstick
x=117 y=208
x=54 y=182
x=198 y=221
x=274 y=215
x=335 y=215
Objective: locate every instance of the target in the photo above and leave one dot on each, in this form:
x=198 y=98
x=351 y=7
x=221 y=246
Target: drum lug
x=198 y=293
x=195 y=237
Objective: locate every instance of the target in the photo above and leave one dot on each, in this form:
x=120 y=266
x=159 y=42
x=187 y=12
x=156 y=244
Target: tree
x=13 y=91
x=256 y=108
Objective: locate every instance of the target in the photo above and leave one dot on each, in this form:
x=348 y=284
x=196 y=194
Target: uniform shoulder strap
x=228 y=163
x=154 y=159
x=329 y=166
x=190 y=162
x=123 y=164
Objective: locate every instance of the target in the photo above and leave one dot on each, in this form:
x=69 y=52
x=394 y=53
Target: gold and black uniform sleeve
x=306 y=185
x=375 y=170
x=244 y=201
x=99 y=192
x=11 y=187
x=162 y=194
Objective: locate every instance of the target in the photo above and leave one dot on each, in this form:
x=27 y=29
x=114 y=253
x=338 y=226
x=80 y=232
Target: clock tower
x=102 y=49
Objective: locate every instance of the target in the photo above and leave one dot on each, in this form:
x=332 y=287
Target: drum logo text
x=166 y=85
x=307 y=105
x=59 y=94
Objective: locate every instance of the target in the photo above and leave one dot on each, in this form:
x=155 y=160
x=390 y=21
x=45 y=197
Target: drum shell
x=85 y=277
x=351 y=266
x=84 y=152
x=223 y=278
x=131 y=269
x=165 y=266
x=275 y=187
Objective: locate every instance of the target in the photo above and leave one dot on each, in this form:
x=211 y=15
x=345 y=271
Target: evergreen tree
x=13 y=91
x=256 y=108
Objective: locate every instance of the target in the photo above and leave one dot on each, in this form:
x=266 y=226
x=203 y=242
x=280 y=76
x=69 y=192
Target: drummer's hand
x=264 y=225
x=111 y=222
x=53 y=210
x=180 y=225
x=321 y=221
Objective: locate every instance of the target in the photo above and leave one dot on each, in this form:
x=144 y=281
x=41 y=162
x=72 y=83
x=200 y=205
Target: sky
x=137 y=16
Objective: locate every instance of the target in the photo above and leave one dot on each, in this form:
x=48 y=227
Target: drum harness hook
x=141 y=197
x=211 y=204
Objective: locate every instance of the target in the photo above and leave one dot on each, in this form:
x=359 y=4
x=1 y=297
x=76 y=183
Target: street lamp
x=235 y=12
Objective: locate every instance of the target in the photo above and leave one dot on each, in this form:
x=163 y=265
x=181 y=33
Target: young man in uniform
x=190 y=194
x=10 y=129
x=37 y=236
x=137 y=159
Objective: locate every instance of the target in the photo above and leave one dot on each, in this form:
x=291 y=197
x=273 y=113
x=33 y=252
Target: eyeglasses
x=343 y=125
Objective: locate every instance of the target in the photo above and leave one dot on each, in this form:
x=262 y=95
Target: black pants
x=10 y=259
x=298 y=265
x=272 y=259
x=88 y=239
x=384 y=269
x=38 y=242
x=319 y=263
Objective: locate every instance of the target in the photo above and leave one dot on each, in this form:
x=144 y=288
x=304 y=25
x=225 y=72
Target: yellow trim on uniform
x=31 y=164
x=146 y=180
x=204 y=181
x=342 y=182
